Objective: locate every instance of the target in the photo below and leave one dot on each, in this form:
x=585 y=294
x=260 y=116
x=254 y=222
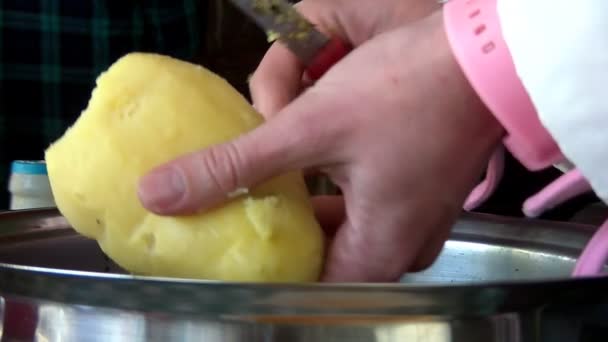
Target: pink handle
x=564 y=188
x=486 y=188
x=326 y=58
x=594 y=256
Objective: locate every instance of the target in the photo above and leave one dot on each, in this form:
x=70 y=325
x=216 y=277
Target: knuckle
x=341 y=122
x=315 y=142
x=223 y=164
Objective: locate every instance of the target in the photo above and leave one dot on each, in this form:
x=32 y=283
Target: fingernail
x=162 y=189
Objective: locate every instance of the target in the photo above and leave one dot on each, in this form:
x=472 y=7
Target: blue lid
x=29 y=167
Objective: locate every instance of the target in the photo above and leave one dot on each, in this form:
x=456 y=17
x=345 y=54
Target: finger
x=277 y=80
x=279 y=77
x=208 y=177
x=430 y=251
x=368 y=248
x=356 y=256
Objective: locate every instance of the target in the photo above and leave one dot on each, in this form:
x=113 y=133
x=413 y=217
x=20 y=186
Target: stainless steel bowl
x=497 y=279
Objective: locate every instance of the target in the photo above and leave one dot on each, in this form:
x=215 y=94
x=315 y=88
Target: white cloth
x=560 y=52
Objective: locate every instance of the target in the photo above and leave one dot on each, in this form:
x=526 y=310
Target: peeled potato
x=148 y=109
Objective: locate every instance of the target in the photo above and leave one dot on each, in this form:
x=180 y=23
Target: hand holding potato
x=395 y=125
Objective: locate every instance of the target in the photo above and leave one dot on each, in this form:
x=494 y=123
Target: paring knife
x=282 y=22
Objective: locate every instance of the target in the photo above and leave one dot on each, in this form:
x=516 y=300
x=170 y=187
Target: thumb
x=288 y=141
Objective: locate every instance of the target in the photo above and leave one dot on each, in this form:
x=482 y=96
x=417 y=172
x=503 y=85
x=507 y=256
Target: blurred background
x=210 y=32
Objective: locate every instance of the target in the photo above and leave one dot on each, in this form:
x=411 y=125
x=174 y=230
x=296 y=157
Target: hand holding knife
x=282 y=21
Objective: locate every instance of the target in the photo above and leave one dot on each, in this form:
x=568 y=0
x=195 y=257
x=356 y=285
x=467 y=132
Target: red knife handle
x=331 y=53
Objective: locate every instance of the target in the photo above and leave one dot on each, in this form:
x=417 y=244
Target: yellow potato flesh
x=148 y=109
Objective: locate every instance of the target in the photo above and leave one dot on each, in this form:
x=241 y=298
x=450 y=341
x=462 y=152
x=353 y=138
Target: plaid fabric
x=51 y=51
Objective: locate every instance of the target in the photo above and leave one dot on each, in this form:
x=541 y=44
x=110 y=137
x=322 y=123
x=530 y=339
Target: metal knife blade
x=282 y=21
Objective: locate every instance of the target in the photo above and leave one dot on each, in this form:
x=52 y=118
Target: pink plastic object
x=594 y=256
x=326 y=58
x=493 y=176
x=474 y=33
x=565 y=188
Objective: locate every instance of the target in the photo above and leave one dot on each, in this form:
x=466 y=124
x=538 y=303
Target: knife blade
x=282 y=22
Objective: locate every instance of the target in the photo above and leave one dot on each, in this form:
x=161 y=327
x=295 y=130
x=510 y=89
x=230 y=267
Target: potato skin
x=148 y=109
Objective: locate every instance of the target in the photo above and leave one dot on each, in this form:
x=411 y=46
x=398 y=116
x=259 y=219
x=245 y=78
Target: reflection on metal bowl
x=497 y=279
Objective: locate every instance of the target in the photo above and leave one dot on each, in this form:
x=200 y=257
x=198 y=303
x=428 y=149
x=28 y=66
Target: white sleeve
x=560 y=52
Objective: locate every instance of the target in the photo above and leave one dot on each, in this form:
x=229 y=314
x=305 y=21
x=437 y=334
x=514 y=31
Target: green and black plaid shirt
x=51 y=52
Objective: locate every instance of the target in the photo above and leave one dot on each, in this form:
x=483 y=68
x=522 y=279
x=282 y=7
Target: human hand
x=394 y=124
x=279 y=77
